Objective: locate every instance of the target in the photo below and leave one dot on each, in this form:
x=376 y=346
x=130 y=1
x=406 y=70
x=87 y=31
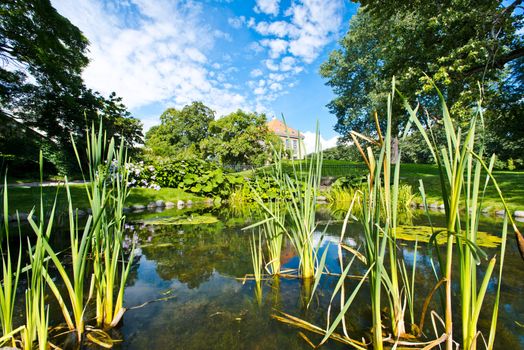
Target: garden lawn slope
x=23 y=198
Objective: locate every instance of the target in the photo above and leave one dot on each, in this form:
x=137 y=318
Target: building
x=292 y=139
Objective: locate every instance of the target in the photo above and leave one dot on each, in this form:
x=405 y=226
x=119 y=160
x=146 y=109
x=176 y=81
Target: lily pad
x=423 y=234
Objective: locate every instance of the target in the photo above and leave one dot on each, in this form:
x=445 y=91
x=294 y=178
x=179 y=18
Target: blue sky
x=260 y=55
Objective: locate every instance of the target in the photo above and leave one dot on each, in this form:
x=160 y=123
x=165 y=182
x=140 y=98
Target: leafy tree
x=41 y=59
x=240 y=138
x=342 y=152
x=180 y=131
x=456 y=43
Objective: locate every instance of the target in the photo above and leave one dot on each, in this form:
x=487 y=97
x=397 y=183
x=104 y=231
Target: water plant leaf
x=427 y=234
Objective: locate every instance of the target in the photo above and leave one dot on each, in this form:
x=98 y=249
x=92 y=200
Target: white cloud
x=271 y=65
x=256 y=73
x=311 y=27
x=310 y=140
x=279 y=29
x=275 y=86
x=277 y=47
x=160 y=55
x=236 y=22
x=269 y=7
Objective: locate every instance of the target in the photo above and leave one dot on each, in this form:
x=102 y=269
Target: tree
x=180 y=131
x=240 y=138
x=42 y=56
x=456 y=43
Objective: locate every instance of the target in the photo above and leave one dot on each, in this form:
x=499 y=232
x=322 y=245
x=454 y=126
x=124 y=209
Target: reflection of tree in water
x=191 y=253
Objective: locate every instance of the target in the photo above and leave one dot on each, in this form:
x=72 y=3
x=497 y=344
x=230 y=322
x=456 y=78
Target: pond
x=187 y=291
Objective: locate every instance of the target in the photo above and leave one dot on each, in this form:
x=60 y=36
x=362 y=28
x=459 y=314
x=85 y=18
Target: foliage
x=180 y=131
x=240 y=138
x=190 y=174
x=42 y=94
x=342 y=152
x=455 y=43
x=461 y=162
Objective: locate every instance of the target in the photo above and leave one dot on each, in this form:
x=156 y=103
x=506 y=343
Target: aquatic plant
x=10 y=277
x=74 y=309
x=257 y=260
x=461 y=167
x=300 y=223
x=107 y=191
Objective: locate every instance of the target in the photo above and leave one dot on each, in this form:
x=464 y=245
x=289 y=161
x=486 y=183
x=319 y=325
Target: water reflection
x=202 y=268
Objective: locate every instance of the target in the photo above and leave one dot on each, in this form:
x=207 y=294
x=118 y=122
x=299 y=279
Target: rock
x=486 y=210
x=160 y=203
x=327 y=180
x=138 y=207
x=170 y=205
x=189 y=202
x=151 y=205
x=180 y=204
x=500 y=212
x=519 y=213
x=321 y=199
x=23 y=216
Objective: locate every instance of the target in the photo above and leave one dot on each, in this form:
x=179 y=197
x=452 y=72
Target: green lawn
x=24 y=198
x=510 y=182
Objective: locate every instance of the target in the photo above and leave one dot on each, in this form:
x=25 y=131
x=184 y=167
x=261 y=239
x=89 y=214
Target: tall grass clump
x=299 y=224
x=36 y=310
x=106 y=188
x=464 y=175
x=73 y=302
x=379 y=217
x=10 y=277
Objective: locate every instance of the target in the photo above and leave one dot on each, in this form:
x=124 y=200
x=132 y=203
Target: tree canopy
x=240 y=138
x=180 y=131
x=42 y=55
x=455 y=43
x=237 y=138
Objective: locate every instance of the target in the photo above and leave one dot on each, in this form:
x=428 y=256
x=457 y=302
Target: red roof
x=281 y=129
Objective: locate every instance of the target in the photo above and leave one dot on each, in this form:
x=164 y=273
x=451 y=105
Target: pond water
x=188 y=284
x=187 y=290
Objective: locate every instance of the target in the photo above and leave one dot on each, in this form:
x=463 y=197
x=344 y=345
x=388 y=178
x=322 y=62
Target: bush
x=189 y=174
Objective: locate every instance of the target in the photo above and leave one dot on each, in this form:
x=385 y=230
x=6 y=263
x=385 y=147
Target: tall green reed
x=299 y=225
x=107 y=191
x=461 y=165
x=381 y=205
x=73 y=302
x=10 y=274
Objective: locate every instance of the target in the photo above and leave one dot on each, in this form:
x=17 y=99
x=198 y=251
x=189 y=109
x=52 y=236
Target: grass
x=508 y=181
x=23 y=198
x=410 y=174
